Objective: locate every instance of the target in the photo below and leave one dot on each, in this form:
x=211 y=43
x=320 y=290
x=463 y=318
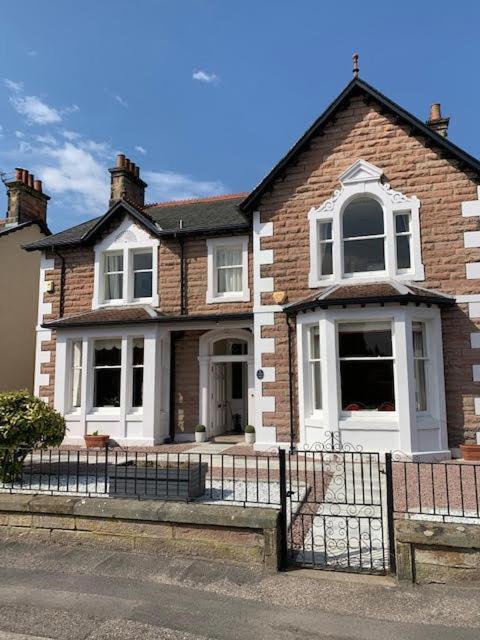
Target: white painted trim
x=213 y=244
x=127 y=238
x=43 y=335
x=363 y=179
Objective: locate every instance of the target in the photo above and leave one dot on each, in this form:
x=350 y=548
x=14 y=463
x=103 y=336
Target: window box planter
x=177 y=481
x=96 y=441
x=470 y=451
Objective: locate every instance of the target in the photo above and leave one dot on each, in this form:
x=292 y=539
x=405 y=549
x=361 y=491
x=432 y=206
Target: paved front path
x=77 y=594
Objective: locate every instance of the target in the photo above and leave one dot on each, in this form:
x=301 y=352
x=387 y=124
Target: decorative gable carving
x=361 y=171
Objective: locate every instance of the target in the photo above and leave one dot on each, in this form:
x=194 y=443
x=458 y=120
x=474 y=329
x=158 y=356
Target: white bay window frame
x=363 y=180
x=127 y=239
x=213 y=245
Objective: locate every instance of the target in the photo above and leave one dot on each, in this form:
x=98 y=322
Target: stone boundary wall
x=437 y=552
x=231 y=533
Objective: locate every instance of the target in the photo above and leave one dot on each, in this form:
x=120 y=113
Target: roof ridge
x=170 y=203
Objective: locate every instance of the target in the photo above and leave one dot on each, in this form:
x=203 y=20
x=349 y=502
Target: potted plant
x=200 y=433
x=96 y=440
x=249 y=434
x=471 y=451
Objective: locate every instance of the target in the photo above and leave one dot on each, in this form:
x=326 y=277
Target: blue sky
x=207 y=95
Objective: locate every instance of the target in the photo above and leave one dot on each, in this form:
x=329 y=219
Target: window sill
x=109 y=416
x=370 y=425
x=73 y=416
x=134 y=416
x=243 y=296
x=369 y=416
x=373 y=276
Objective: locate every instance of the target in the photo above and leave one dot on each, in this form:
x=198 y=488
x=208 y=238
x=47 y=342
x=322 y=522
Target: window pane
x=316 y=385
x=107 y=388
x=364 y=255
x=314 y=343
x=230 y=280
x=77 y=354
x=418 y=340
x=367 y=385
x=113 y=262
x=325 y=230
x=142 y=284
x=229 y=257
x=137 y=387
x=142 y=261
x=76 y=387
x=326 y=263
x=365 y=343
x=420 y=385
x=137 y=355
x=402 y=223
x=403 y=252
x=114 y=286
x=108 y=353
x=362 y=218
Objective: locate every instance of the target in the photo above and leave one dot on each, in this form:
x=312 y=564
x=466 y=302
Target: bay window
x=366 y=366
x=113 y=275
x=420 y=361
x=76 y=359
x=363 y=237
x=107 y=368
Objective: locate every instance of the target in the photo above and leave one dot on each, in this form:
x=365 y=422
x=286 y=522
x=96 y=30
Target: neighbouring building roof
x=135 y=315
x=5 y=231
x=359 y=87
x=161 y=219
x=371 y=293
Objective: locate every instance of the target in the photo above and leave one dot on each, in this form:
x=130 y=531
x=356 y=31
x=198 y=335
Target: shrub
x=200 y=428
x=249 y=429
x=26 y=423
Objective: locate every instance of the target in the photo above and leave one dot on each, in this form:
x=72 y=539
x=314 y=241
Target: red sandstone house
x=342 y=294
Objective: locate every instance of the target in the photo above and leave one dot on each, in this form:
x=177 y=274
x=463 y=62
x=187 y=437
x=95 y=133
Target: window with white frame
x=76 y=361
x=366 y=366
x=314 y=369
x=420 y=361
x=363 y=237
x=365 y=231
x=142 y=267
x=227 y=269
x=113 y=275
x=403 y=238
x=107 y=373
x=137 y=372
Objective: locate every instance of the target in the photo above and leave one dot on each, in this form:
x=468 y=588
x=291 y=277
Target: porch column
x=203 y=396
x=405 y=382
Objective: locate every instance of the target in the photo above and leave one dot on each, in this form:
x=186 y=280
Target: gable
x=128 y=232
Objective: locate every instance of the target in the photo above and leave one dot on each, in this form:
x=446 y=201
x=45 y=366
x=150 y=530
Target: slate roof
x=358 y=87
x=370 y=293
x=161 y=219
x=23 y=225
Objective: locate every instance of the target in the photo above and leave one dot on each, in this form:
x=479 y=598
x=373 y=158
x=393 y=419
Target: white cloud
x=47 y=139
x=71 y=135
x=34 y=109
x=205 y=76
x=121 y=101
x=140 y=149
x=12 y=85
x=168 y=185
x=32 y=53
x=19 y=134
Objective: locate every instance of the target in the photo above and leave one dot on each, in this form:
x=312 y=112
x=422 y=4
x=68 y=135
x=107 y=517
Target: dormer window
x=365 y=231
x=126 y=268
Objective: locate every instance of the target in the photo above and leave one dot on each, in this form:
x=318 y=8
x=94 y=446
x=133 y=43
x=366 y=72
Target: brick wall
x=362 y=132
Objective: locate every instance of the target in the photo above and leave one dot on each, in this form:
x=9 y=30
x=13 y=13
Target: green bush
x=249 y=429
x=26 y=423
x=200 y=428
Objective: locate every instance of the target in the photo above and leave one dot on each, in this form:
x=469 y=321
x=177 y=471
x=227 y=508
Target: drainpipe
x=171 y=412
x=62 y=283
x=183 y=299
x=290 y=384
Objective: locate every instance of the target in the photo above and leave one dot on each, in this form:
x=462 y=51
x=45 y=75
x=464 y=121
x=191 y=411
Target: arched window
x=363 y=237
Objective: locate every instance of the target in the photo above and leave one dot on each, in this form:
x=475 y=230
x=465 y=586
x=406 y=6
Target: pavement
x=72 y=593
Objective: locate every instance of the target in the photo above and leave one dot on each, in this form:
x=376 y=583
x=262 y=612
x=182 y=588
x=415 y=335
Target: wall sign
x=260 y=374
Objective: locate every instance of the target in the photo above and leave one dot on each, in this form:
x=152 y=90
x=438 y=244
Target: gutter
x=340 y=302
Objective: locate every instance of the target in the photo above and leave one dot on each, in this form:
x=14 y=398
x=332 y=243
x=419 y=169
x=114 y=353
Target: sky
x=207 y=95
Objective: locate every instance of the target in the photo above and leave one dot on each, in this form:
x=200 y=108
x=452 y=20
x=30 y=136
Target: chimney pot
x=25 y=200
x=133 y=167
x=126 y=181
x=120 y=160
x=18 y=174
x=30 y=180
x=37 y=185
x=436 y=121
x=137 y=172
x=24 y=176
x=435 y=112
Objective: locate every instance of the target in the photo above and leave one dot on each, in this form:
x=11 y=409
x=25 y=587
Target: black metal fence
x=232 y=479
x=446 y=491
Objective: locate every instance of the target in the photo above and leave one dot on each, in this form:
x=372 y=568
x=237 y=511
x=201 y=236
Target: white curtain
x=230 y=271
x=419 y=355
x=113 y=277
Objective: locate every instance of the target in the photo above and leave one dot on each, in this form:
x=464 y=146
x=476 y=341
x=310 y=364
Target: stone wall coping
x=144 y=510
x=445 y=534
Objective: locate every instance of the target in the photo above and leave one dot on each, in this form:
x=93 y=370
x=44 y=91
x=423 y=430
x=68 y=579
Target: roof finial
x=355 y=65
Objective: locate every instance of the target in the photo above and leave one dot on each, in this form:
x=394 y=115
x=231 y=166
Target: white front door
x=218 y=399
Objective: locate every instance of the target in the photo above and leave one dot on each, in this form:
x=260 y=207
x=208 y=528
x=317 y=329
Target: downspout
x=183 y=299
x=171 y=412
x=62 y=283
x=290 y=384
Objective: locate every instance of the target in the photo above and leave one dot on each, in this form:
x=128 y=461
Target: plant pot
x=96 y=442
x=200 y=436
x=249 y=438
x=470 y=451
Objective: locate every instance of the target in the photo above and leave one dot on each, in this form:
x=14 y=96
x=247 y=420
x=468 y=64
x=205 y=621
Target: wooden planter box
x=181 y=481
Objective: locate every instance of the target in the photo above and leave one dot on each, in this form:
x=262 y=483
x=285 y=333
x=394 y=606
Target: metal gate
x=335 y=505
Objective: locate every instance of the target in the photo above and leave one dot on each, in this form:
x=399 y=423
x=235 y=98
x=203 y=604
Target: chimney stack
x=25 y=200
x=436 y=122
x=126 y=182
